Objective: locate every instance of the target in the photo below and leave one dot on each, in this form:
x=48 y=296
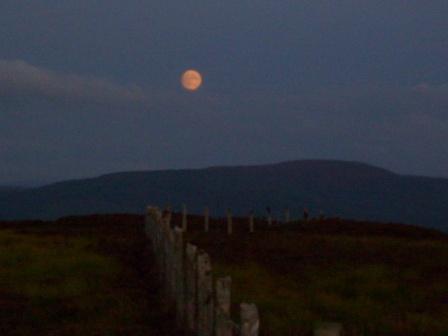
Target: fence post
x=164 y=253
x=168 y=215
x=179 y=276
x=184 y=218
x=157 y=214
x=229 y=222
x=250 y=322
x=328 y=329
x=305 y=214
x=206 y=219
x=191 y=286
x=169 y=262
x=223 y=324
x=251 y=222
x=269 y=216
x=205 y=295
x=152 y=229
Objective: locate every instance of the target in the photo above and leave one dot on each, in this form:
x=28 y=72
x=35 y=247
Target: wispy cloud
x=19 y=78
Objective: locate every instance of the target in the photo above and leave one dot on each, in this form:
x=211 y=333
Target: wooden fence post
x=305 y=214
x=269 y=220
x=179 y=276
x=169 y=262
x=205 y=295
x=191 y=286
x=163 y=251
x=223 y=323
x=250 y=322
x=157 y=214
x=206 y=219
x=184 y=218
x=229 y=222
x=168 y=215
x=251 y=222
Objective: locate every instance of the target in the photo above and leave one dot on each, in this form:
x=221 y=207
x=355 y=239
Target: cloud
x=19 y=78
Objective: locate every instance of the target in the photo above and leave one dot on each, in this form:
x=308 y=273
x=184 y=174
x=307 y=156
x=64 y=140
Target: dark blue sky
x=91 y=87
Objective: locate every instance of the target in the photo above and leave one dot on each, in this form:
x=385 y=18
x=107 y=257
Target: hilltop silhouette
x=337 y=188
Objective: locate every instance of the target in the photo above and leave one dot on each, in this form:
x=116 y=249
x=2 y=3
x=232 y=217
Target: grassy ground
x=79 y=276
x=94 y=276
x=375 y=279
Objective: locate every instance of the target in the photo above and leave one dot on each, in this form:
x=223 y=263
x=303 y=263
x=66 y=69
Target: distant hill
x=338 y=188
x=9 y=188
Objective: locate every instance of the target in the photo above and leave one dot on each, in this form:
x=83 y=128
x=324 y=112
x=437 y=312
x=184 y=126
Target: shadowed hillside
x=344 y=189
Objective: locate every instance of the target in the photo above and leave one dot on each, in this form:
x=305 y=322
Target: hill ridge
x=348 y=189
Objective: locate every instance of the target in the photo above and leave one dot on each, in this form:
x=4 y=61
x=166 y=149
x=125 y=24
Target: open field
x=376 y=279
x=93 y=276
x=79 y=276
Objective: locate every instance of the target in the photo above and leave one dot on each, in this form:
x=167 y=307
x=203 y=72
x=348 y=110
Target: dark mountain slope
x=345 y=189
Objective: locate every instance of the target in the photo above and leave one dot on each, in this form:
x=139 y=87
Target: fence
x=202 y=302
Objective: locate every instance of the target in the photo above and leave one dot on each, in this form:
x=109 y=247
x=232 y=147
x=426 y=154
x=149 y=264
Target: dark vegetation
x=376 y=279
x=79 y=276
x=94 y=276
x=343 y=189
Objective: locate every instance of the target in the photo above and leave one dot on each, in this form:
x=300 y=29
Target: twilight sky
x=91 y=87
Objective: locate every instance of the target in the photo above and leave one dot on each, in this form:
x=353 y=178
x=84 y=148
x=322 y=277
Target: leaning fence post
x=223 y=324
x=229 y=222
x=205 y=295
x=179 y=275
x=206 y=219
x=250 y=322
x=184 y=218
x=251 y=222
x=191 y=286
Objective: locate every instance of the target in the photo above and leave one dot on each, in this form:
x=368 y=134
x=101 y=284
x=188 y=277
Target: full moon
x=191 y=80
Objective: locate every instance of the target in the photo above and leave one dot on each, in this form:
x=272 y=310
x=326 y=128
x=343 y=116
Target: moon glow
x=191 y=80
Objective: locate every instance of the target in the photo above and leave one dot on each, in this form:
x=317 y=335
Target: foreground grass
x=374 y=285
x=79 y=276
x=57 y=282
